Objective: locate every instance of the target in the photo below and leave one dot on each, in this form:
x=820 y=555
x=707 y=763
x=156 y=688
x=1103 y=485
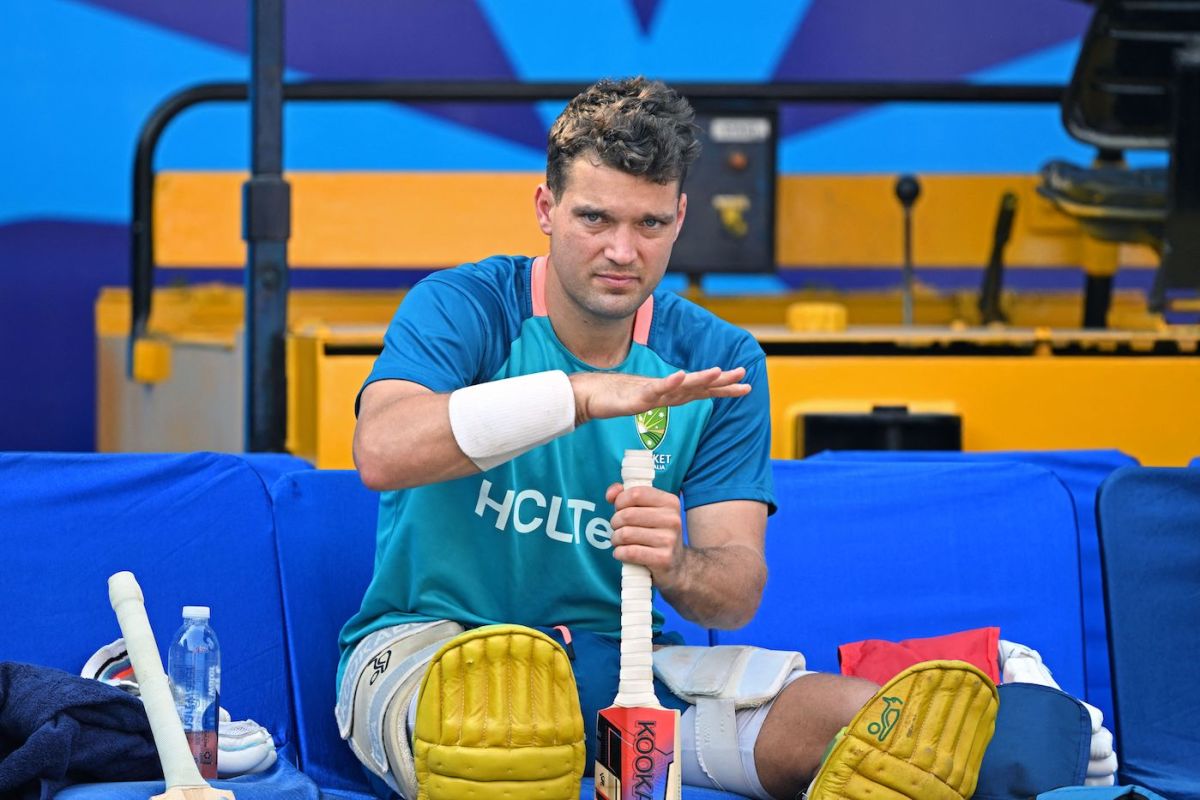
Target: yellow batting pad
x=922 y=736
x=498 y=717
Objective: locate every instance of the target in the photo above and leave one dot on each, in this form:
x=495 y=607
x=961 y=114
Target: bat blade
x=636 y=752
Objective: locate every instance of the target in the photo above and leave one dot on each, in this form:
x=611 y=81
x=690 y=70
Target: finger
x=729 y=376
x=612 y=492
x=699 y=382
x=711 y=382
x=701 y=377
x=653 y=537
x=646 y=496
x=680 y=398
x=661 y=519
x=735 y=390
x=670 y=383
x=650 y=557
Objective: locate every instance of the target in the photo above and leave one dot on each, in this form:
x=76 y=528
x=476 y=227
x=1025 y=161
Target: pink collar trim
x=537 y=285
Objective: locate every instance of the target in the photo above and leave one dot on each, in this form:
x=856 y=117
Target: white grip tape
x=179 y=768
x=497 y=421
x=636 y=686
x=637 y=476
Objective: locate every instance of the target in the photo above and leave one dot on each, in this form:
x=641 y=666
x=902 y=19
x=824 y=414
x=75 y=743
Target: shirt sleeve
x=440 y=338
x=733 y=460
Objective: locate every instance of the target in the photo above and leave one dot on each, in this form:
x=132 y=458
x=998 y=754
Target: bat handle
x=179 y=768
x=636 y=686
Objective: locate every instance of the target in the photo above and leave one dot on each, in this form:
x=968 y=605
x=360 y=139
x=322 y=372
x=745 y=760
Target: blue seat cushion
x=861 y=550
x=1150 y=542
x=1082 y=472
x=195 y=529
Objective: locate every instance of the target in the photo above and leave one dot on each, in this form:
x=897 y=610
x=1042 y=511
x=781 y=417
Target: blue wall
x=81 y=75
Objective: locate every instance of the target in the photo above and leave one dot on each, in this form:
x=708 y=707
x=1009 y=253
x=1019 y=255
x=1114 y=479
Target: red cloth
x=880 y=661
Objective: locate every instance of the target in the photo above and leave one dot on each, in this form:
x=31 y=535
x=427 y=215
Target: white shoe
x=110 y=664
x=243 y=748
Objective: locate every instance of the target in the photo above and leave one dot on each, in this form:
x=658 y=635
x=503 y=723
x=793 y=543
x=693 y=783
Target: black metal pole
x=908 y=189
x=993 y=273
x=266 y=225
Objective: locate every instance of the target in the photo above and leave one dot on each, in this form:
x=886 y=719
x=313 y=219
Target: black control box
x=730 y=224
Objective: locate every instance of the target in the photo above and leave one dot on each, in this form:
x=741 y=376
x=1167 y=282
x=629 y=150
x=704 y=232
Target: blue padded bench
x=326 y=526
x=867 y=550
x=194 y=529
x=1149 y=521
x=1082 y=471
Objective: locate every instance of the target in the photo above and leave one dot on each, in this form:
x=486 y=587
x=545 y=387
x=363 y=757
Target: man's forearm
x=408 y=442
x=410 y=436
x=718 y=587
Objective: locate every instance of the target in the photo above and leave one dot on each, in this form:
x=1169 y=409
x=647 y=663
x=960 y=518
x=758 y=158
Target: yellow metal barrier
x=420 y=219
x=1016 y=388
x=326 y=368
x=1040 y=390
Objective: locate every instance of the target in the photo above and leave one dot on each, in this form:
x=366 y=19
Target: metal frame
x=266 y=226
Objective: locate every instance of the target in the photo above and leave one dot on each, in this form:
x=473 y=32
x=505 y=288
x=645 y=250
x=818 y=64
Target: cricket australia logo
x=652 y=426
x=651 y=430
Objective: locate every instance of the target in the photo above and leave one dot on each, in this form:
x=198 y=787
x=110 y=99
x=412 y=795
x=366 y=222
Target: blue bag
x=1042 y=741
x=1100 y=793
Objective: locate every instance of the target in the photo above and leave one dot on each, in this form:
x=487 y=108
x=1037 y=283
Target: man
x=494 y=423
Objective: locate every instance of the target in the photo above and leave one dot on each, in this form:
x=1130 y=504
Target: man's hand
x=648 y=530
x=602 y=395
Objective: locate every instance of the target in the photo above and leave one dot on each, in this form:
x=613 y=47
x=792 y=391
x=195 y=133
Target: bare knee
x=850 y=695
x=805 y=717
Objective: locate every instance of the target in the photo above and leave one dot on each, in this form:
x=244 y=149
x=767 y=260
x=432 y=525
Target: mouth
x=617 y=280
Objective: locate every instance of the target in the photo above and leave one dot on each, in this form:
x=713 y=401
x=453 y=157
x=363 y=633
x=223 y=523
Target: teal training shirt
x=528 y=542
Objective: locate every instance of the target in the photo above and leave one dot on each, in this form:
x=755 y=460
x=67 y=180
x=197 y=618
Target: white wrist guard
x=496 y=422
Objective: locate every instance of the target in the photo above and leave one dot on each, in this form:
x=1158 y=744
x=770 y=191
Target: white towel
x=1021 y=664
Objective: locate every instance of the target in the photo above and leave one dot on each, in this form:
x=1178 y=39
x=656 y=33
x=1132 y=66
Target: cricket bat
x=637 y=738
x=183 y=780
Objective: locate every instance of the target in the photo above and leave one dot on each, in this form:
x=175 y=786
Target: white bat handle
x=179 y=768
x=636 y=686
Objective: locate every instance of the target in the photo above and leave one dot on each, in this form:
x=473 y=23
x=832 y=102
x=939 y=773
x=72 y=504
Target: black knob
x=908 y=189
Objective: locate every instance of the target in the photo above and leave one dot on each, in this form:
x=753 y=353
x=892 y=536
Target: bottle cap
x=195 y=612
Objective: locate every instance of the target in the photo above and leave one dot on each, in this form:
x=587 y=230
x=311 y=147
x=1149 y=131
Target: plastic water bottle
x=194 y=669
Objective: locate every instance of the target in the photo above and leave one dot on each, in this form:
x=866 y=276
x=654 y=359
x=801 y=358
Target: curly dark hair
x=638 y=126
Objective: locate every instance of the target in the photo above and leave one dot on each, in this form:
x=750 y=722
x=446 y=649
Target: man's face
x=611 y=235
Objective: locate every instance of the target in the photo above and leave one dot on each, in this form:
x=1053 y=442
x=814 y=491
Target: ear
x=680 y=214
x=543 y=205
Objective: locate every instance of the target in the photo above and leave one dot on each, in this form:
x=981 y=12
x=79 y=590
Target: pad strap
x=746 y=676
x=717 y=747
x=380 y=680
x=718 y=681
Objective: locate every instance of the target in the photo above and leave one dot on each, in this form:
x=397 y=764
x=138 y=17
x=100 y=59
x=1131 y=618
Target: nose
x=622 y=246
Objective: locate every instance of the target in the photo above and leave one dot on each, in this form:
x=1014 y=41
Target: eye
x=651 y=222
x=592 y=217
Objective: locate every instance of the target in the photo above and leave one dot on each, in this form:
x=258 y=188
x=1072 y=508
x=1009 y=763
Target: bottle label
x=204 y=750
